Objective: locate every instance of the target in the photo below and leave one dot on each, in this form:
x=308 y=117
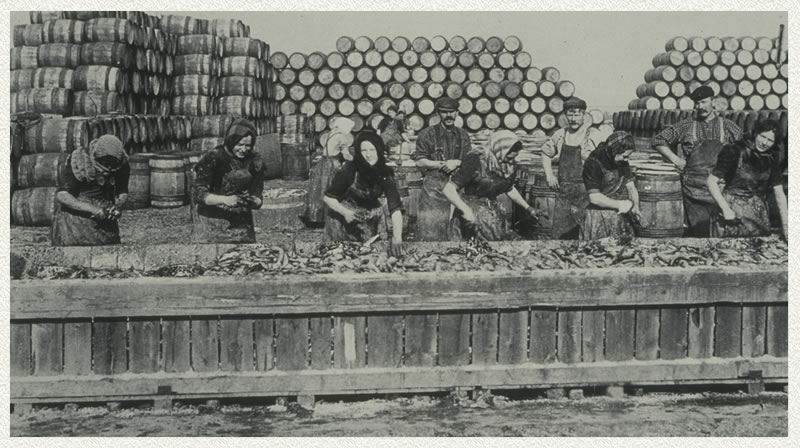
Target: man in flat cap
x=438 y=154
x=692 y=145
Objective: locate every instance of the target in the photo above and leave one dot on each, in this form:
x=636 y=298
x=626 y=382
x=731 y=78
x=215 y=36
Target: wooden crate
x=164 y=339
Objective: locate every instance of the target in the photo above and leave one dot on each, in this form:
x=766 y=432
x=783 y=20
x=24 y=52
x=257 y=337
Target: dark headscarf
x=616 y=144
x=373 y=173
x=239 y=129
x=104 y=155
x=762 y=159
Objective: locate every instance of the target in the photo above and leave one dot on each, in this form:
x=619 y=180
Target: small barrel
x=139 y=182
x=39 y=170
x=660 y=202
x=295 y=161
x=541 y=197
x=167 y=181
x=33 y=207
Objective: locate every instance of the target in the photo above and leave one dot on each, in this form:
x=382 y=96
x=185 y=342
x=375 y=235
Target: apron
x=321 y=175
x=337 y=228
x=225 y=225
x=751 y=209
x=701 y=156
x=571 y=199
x=434 y=211
x=605 y=222
x=490 y=217
x=74 y=228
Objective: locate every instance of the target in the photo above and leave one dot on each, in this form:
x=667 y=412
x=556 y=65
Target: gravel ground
x=708 y=414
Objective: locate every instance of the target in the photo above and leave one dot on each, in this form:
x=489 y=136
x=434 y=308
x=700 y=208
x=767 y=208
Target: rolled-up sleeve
x=669 y=136
x=733 y=132
x=393 y=201
x=425 y=146
x=551 y=146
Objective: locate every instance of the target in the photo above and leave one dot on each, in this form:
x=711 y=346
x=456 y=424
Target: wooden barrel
x=661 y=203
x=45 y=101
x=194 y=85
x=295 y=161
x=238 y=85
x=194 y=105
x=44 y=77
x=241 y=66
x=110 y=30
x=33 y=206
x=167 y=181
x=345 y=44
x=43 y=16
x=30 y=35
x=269 y=148
x=210 y=126
x=139 y=182
x=673 y=58
x=204 y=144
x=240 y=106
x=541 y=197
x=196 y=64
x=99 y=77
x=39 y=170
x=24 y=58
x=59 y=55
x=227 y=28
x=96 y=102
x=420 y=44
x=181 y=25
x=381 y=44
x=106 y=53
x=401 y=74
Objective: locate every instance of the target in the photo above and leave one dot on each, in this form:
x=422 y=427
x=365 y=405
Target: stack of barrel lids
x=746 y=73
x=493 y=79
x=220 y=73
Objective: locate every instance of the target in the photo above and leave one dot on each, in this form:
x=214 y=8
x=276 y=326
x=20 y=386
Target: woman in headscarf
x=355 y=212
x=337 y=151
x=750 y=167
x=229 y=183
x=609 y=182
x=570 y=146
x=485 y=174
x=92 y=187
x=392 y=127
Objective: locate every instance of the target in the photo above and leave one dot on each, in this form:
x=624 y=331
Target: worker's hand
x=680 y=165
x=728 y=214
x=397 y=249
x=785 y=233
x=469 y=215
x=230 y=201
x=493 y=163
x=552 y=182
x=349 y=216
x=99 y=214
x=536 y=214
x=624 y=206
x=112 y=213
x=451 y=165
x=636 y=214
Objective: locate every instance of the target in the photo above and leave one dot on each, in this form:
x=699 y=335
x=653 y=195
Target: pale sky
x=605 y=54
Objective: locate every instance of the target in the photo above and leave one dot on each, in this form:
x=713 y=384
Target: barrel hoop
x=660 y=197
x=541 y=192
x=167 y=198
x=659 y=233
x=180 y=170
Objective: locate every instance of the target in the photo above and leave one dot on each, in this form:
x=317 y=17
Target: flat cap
x=574 y=103
x=701 y=93
x=446 y=104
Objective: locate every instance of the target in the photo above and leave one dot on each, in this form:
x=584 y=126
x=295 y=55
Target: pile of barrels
x=746 y=73
x=494 y=80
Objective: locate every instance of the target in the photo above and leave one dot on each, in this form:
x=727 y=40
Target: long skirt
x=569 y=210
x=605 y=223
x=73 y=228
x=213 y=225
x=321 y=175
x=753 y=218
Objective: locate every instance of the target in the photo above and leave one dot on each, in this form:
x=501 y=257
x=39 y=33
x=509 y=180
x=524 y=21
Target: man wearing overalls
x=438 y=154
x=698 y=140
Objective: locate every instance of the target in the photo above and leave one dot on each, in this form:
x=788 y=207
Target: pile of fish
x=473 y=255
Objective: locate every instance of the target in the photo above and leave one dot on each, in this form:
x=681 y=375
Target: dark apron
x=701 y=156
x=337 y=228
x=490 y=216
x=225 y=225
x=751 y=209
x=606 y=222
x=571 y=200
x=74 y=228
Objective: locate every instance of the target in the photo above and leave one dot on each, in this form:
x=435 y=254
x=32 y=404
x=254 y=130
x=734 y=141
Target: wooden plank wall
x=391 y=340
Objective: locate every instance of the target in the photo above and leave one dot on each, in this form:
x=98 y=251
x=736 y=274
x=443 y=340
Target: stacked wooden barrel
x=746 y=73
x=494 y=80
x=645 y=124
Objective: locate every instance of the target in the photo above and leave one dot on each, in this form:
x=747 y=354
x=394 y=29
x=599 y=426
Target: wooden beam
x=377 y=380
x=340 y=293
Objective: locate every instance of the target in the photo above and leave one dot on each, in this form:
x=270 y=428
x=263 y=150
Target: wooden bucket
x=33 y=206
x=139 y=182
x=39 y=170
x=541 y=197
x=295 y=161
x=280 y=213
x=167 y=181
x=661 y=203
x=269 y=148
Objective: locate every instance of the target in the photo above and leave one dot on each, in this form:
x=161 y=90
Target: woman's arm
x=783 y=209
x=517 y=198
x=335 y=205
x=397 y=227
x=603 y=201
x=713 y=187
x=68 y=200
x=547 y=164
x=122 y=198
x=451 y=193
x=633 y=194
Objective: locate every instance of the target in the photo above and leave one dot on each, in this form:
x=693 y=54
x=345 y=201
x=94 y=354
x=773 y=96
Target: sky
x=605 y=54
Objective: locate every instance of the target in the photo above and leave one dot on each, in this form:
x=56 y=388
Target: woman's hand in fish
x=728 y=214
x=397 y=249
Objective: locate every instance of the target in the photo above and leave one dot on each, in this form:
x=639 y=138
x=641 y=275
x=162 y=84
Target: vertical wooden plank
x=176 y=344
x=728 y=331
x=778 y=331
x=321 y=342
x=385 y=341
x=47 y=341
x=236 y=345
x=569 y=336
x=264 y=340
x=78 y=347
x=593 y=335
x=620 y=334
x=647 y=327
x=349 y=342
x=754 y=330
x=420 y=340
x=484 y=338
x=454 y=343
x=513 y=347
x=291 y=344
x=701 y=332
x=543 y=335
x=144 y=340
x=20 y=356
x=205 y=345
x=110 y=346
x=674 y=333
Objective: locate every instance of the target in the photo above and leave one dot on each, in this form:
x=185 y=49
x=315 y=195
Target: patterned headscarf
x=239 y=129
x=499 y=145
x=617 y=143
x=104 y=156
